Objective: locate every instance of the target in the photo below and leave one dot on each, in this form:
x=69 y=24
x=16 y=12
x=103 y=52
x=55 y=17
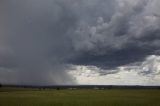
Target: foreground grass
x=35 y=97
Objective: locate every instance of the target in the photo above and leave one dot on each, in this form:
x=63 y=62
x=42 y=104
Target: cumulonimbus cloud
x=41 y=38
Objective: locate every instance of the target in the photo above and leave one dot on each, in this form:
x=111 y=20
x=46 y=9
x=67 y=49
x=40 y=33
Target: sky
x=71 y=42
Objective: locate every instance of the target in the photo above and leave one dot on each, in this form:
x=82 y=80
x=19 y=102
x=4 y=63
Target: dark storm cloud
x=37 y=38
x=114 y=58
x=40 y=38
x=131 y=35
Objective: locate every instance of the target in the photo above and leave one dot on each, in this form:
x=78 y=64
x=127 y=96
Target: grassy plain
x=49 y=97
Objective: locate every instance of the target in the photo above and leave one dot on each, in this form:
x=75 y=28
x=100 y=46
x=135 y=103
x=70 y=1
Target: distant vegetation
x=78 y=97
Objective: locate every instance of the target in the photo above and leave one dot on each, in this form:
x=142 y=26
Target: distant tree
x=110 y=87
x=0 y=85
x=58 y=88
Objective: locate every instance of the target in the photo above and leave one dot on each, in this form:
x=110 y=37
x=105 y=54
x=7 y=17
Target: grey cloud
x=131 y=34
x=36 y=34
x=41 y=38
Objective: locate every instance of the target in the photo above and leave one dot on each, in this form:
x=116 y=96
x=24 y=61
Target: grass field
x=35 y=97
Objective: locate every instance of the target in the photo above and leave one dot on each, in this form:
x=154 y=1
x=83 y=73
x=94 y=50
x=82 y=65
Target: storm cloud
x=41 y=39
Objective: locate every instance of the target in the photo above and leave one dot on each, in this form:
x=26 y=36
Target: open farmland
x=49 y=97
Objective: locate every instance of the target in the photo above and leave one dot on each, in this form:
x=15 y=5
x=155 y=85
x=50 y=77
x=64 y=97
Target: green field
x=36 y=97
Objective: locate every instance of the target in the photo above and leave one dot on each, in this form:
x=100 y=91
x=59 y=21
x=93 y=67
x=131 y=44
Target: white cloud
x=145 y=73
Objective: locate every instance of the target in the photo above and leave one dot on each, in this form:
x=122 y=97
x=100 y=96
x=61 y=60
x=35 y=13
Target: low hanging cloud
x=41 y=39
x=144 y=73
